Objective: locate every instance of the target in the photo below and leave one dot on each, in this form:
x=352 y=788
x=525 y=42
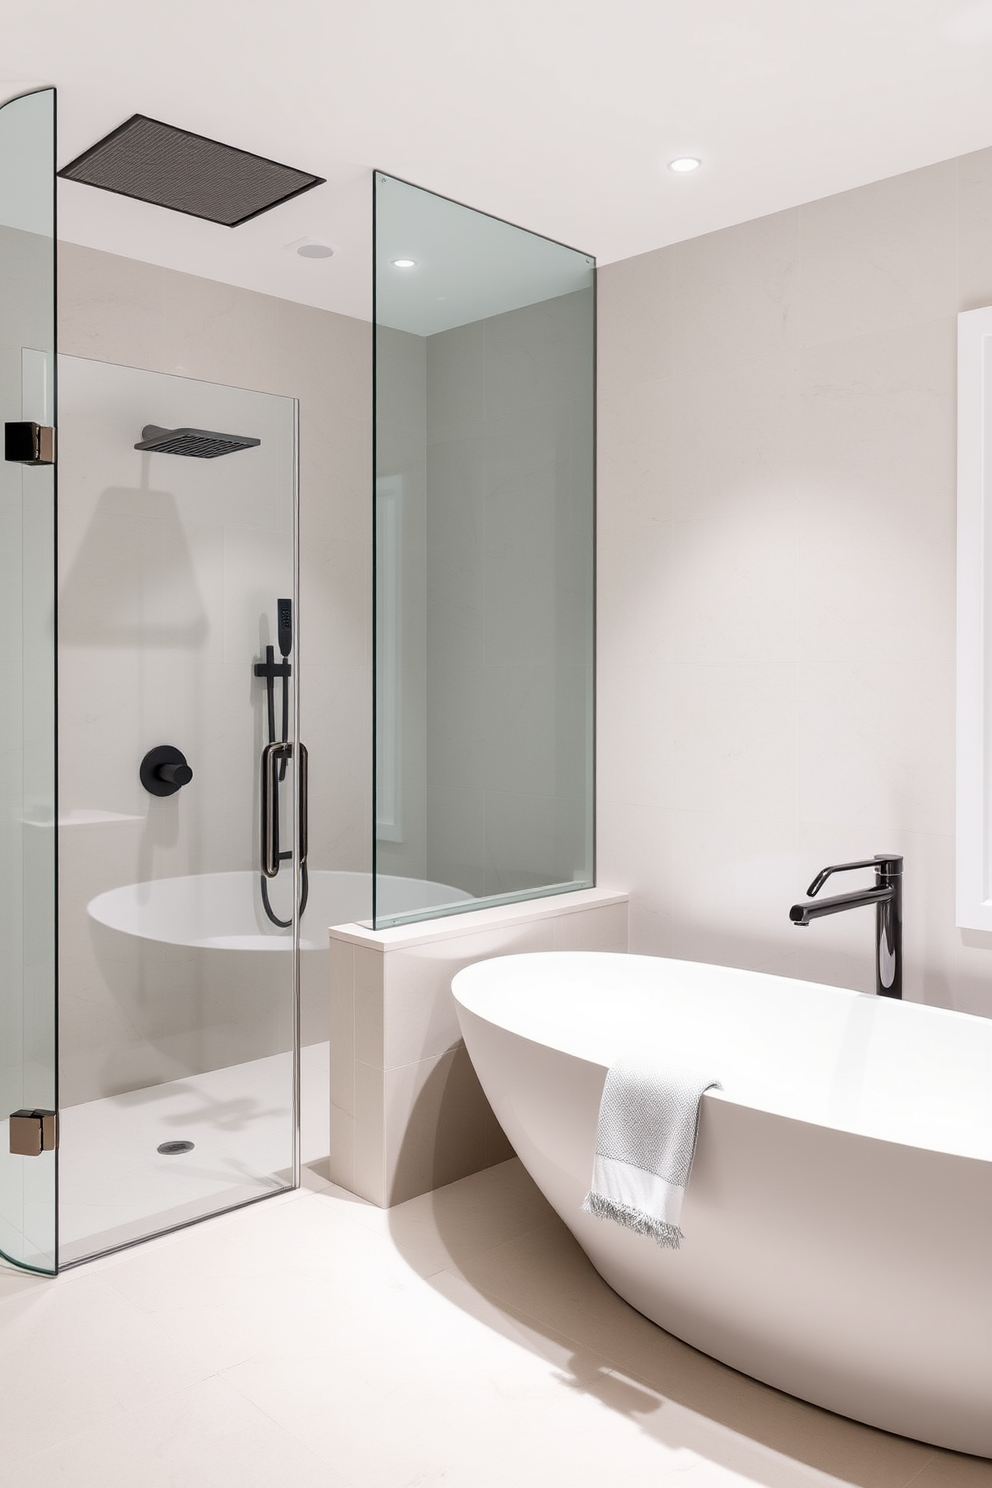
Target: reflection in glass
x=484 y=458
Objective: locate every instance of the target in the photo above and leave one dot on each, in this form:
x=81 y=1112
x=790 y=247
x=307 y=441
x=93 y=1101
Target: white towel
x=644 y=1146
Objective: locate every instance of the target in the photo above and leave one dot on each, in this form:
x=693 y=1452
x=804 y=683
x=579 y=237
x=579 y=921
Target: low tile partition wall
x=407 y=1112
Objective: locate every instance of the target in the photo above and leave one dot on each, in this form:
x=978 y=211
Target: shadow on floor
x=537 y=1287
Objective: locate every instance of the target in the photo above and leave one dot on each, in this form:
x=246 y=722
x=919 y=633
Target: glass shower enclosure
x=155 y=863
x=154 y=868
x=484 y=556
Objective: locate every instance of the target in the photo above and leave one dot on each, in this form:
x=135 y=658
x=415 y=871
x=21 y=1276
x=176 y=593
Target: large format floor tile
x=461 y=1340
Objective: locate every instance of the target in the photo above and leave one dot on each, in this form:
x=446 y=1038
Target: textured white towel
x=644 y=1145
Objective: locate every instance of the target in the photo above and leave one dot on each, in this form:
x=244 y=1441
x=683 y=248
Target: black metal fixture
x=202 y=444
x=276 y=755
x=186 y=172
x=27 y=443
x=887 y=899
x=164 y=770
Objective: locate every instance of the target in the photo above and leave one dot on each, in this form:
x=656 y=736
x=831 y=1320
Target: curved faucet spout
x=886 y=896
x=801 y=914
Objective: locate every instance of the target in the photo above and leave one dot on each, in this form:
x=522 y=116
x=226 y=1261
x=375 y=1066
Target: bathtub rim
x=472 y=986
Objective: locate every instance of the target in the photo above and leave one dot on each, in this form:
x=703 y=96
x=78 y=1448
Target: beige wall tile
x=636 y=434
x=94 y=304
x=419 y=1017
x=734 y=589
x=635 y=740
x=629 y=845
x=437 y=1122
x=420 y=1021
x=974 y=225
x=879 y=757
x=342 y=1026
x=369 y=989
x=636 y=579
x=603 y=929
x=734 y=293
x=734 y=736
x=883 y=255
x=735 y=439
x=636 y=320
x=370 y=1151
x=341 y=1161
x=732 y=880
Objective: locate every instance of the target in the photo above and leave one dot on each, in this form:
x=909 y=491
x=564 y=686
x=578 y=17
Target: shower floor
x=115 y=1187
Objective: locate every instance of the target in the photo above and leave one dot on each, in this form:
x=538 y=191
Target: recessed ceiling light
x=404 y=263
x=684 y=163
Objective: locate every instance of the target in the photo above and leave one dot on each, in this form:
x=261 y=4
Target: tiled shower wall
x=777 y=577
x=117 y=310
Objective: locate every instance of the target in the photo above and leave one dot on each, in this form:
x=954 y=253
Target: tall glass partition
x=181 y=872
x=28 y=1097
x=484 y=558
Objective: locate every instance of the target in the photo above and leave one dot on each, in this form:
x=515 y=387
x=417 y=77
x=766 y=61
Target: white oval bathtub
x=838 y=1220
x=224 y=911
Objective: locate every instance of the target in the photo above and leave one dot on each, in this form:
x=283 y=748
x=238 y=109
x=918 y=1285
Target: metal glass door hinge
x=28 y=443
x=33 y=1132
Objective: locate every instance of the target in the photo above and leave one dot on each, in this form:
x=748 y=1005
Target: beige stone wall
x=777 y=576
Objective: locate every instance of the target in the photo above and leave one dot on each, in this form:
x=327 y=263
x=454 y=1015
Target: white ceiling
x=559 y=115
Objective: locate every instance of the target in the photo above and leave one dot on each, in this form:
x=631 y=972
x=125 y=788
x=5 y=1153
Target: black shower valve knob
x=175 y=774
x=164 y=770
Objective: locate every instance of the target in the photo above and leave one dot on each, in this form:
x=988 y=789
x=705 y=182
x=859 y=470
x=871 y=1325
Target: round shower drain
x=170 y=1149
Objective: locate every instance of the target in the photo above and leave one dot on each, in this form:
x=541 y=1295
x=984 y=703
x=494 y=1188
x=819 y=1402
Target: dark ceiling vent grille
x=170 y=167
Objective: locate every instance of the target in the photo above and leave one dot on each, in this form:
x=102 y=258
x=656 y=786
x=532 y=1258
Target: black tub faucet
x=887 y=899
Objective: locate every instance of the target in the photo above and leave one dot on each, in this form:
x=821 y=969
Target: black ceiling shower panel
x=186 y=172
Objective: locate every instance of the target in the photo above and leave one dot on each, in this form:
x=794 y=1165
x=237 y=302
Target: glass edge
x=184 y=1224
x=56 y=855
x=375 y=564
x=481 y=212
x=594 y=617
x=297 y=868
x=490 y=901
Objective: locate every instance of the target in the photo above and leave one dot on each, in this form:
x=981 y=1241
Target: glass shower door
x=28 y=1098
x=180 y=871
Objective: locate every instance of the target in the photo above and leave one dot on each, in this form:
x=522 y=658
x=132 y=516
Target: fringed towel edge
x=668 y=1236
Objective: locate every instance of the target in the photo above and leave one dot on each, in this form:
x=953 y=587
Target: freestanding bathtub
x=838 y=1220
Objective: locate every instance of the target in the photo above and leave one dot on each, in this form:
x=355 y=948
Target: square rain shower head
x=186 y=172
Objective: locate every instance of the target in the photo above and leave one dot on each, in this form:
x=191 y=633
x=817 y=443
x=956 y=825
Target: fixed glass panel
x=27 y=718
x=484 y=559
x=177 y=670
